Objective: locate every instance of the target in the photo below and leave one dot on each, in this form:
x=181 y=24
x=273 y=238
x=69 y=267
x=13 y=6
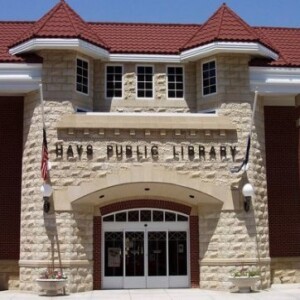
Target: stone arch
x=148 y=203
x=146 y=181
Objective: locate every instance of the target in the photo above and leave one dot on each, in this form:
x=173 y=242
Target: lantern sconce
x=248 y=193
x=46 y=190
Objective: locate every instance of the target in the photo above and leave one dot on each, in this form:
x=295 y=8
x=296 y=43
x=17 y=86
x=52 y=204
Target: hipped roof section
x=225 y=25
x=133 y=38
x=61 y=22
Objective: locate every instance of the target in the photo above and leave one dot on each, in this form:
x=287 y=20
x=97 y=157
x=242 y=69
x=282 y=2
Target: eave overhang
x=227 y=47
x=99 y=53
x=60 y=44
x=19 y=78
x=275 y=81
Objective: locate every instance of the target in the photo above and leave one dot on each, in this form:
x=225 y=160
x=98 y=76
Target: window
x=82 y=78
x=114 y=76
x=144 y=82
x=175 y=82
x=209 y=84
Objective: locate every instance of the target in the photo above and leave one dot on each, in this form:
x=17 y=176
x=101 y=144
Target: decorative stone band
x=149 y=121
x=46 y=263
x=234 y=261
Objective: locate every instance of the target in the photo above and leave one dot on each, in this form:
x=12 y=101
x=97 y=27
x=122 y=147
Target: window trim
x=105 y=81
x=88 y=77
x=202 y=80
x=183 y=82
x=153 y=83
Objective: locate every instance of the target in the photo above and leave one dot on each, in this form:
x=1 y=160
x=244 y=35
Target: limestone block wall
x=232 y=81
x=285 y=270
x=235 y=240
x=59 y=237
x=9 y=275
x=59 y=78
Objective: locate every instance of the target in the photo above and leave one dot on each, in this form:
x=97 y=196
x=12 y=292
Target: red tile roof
x=144 y=38
x=61 y=22
x=224 y=25
x=9 y=31
x=287 y=41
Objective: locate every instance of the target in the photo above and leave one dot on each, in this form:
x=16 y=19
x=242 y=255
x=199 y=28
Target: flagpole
x=42 y=104
x=44 y=163
x=246 y=157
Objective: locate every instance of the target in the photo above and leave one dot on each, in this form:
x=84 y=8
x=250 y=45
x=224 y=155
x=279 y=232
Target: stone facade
x=229 y=238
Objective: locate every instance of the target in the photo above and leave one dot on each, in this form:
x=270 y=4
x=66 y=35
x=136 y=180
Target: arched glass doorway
x=145 y=248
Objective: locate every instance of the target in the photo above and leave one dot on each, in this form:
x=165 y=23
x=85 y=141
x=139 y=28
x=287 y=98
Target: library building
x=140 y=155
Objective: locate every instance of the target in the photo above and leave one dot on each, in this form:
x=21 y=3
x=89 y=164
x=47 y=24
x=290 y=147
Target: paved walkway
x=287 y=293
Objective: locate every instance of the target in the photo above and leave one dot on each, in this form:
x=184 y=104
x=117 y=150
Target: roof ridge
x=70 y=19
x=32 y=30
x=46 y=18
x=242 y=22
x=143 y=23
x=17 y=21
x=277 y=27
x=78 y=32
x=221 y=20
x=208 y=20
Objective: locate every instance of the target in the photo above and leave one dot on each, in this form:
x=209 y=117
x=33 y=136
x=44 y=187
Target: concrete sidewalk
x=292 y=292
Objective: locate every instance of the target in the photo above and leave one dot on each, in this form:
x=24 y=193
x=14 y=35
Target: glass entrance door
x=145 y=254
x=134 y=260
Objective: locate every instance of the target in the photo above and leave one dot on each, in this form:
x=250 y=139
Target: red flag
x=44 y=163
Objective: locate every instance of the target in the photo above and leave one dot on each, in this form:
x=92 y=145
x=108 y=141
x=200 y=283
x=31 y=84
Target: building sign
x=119 y=151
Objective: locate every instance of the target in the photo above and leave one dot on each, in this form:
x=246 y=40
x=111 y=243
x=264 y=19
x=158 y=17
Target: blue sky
x=255 y=12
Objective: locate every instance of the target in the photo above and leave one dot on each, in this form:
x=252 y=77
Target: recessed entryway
x=145 y=248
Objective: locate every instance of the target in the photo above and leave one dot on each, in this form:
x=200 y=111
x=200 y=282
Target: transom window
x=82 y=76
x=209 y=83
x=114 y=76
x=175 y=82
x=145 y=82
x=145 y=215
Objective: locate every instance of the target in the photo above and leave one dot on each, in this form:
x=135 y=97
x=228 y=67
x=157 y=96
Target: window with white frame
x=145 y=82
x=82 y=76
x=209 y=78
x=175 y=82
x=114 y=84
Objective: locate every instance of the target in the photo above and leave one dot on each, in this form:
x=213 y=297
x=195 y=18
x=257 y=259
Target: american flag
x=44 y=163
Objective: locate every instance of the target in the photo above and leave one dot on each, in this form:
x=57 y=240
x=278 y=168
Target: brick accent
x=145 y=203
x=298 y=122
x=11 y=136
x=97 y=253
x=194 y=246
x=282 y=157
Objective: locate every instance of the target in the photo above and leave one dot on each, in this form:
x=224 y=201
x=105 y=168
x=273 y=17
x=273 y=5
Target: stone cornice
x=145 y=121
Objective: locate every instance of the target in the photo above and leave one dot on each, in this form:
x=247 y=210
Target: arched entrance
x=148 y=187
x=145 y=248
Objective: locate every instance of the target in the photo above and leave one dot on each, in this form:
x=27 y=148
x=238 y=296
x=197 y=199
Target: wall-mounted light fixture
x=46 y=189
x=248 y=193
